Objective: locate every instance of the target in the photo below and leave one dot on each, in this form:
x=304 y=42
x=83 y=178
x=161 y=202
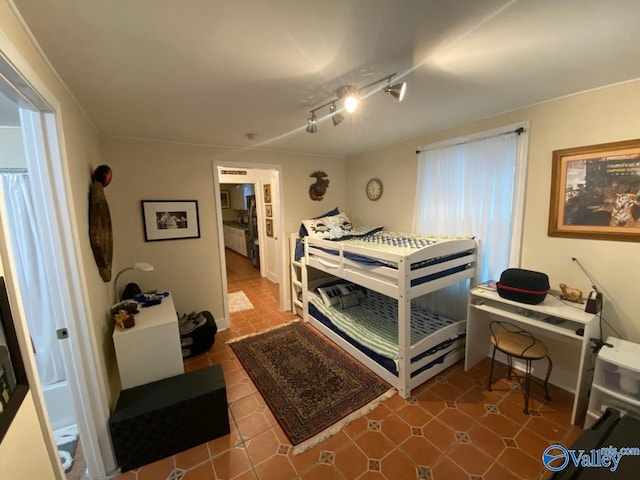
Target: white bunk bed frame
x=395 y=283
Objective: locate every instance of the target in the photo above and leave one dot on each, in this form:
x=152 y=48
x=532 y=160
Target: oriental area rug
x=312 y=387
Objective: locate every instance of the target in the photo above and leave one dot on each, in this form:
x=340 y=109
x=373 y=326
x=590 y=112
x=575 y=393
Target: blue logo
x=555 y=452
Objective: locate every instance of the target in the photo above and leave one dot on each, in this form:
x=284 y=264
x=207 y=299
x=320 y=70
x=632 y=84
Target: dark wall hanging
x=318 y=189
x=100 y=232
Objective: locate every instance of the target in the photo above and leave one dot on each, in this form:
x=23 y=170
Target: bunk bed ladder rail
x=404 y=329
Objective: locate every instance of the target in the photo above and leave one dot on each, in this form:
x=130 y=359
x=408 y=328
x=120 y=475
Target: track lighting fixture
x=350 y=95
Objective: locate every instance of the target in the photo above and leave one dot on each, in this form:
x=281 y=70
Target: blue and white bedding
x=373 y=323
x=378 y=240
x=337 y=227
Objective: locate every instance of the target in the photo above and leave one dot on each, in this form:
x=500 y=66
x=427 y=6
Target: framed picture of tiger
x=595 y=192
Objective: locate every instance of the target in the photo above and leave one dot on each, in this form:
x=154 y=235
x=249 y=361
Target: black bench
x=162 y=418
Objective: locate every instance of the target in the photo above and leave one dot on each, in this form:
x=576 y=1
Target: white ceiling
x=211 y=71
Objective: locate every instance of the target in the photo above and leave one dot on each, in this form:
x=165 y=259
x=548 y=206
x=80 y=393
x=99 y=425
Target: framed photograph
x=595 y=192
x=268 y=210
x=225 y=202
x=269 y=227
x=267 y=193
x=14 y=384
x=170 y=220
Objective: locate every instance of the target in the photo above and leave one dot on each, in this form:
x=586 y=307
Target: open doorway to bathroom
x=40 y=258
x=38 y=299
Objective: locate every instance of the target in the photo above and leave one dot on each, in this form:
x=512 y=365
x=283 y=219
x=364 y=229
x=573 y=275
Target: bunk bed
x=384 y=328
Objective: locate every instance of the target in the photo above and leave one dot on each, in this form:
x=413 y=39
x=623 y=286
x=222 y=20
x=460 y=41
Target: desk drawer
x=618 y=379
x=601 y=400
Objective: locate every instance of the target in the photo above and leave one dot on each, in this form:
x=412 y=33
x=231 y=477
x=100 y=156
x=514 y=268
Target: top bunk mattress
x=378 y=241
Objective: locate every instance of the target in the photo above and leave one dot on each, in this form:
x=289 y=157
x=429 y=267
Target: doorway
x=265 y=180
x=240 y=219
x=30 y=149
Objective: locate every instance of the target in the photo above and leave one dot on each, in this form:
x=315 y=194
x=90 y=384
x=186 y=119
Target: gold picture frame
x=595 y=192
x=267 y=193
x=269 y=227
x=268 y=209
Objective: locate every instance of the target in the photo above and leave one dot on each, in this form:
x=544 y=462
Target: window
x=471 y=187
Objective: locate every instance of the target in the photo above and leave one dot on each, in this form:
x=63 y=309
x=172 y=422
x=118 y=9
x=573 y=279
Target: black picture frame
x=14 y=383
x=225 y=201
x=170 y=219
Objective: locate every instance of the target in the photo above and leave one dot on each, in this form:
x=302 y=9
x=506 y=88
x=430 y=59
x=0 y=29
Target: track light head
x=397 y=91
x=336 y=118
x=350 y=95
x=312 y=123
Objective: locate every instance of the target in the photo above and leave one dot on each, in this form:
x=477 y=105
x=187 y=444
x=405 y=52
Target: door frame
x=45 y=127
x=281 y=256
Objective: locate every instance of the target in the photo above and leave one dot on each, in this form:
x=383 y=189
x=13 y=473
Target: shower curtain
x=28 y=251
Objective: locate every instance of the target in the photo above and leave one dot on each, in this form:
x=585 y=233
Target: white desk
x=151 y=350
x=568 y=350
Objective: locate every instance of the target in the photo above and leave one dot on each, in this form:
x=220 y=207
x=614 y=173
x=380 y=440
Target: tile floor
x=450 y=428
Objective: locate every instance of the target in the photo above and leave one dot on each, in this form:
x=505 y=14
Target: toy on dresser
x=571 y=294
x=124 y=319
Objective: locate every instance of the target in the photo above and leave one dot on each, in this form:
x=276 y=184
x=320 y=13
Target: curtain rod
x=519 y=131
x=13 y=170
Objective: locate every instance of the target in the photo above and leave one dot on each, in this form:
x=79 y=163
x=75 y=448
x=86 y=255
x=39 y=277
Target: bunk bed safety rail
x=465 y=261
x=442 y=249
x=445 y=338
x=342 y=250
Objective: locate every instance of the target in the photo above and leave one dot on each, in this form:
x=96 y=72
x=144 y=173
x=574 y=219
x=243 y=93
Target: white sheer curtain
x=34 y=286
x=467 y=189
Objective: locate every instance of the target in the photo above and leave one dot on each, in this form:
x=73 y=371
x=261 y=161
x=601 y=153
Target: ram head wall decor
x=319 y=188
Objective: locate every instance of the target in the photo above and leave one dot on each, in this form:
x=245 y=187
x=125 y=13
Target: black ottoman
x=160 y=419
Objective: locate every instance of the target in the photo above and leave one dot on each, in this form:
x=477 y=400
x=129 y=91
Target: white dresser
x=151 y=350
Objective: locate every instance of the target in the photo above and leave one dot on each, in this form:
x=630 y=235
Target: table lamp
x=145 y=267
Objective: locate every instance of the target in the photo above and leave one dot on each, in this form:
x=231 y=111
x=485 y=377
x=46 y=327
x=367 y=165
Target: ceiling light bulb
x=350 y=103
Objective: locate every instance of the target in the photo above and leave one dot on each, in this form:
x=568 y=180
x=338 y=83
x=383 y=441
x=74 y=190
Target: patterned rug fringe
x=335 y=428
x=233 y=340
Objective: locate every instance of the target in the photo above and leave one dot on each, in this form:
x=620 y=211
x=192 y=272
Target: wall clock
x=374 y=189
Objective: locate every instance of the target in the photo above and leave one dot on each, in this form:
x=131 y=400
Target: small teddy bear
x=571 y=294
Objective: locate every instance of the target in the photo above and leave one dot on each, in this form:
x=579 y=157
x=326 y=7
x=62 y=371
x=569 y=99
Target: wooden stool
x=515 y=342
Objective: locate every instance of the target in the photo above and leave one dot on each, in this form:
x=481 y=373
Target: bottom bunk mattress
x=371 y=326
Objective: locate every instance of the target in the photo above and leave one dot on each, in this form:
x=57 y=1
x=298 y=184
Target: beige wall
x=605 y=115
x=190 y=268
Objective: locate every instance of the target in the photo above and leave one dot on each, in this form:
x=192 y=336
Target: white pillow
x=330 y=295
x=332 y=227
x=349 y=288
x=349 y=300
